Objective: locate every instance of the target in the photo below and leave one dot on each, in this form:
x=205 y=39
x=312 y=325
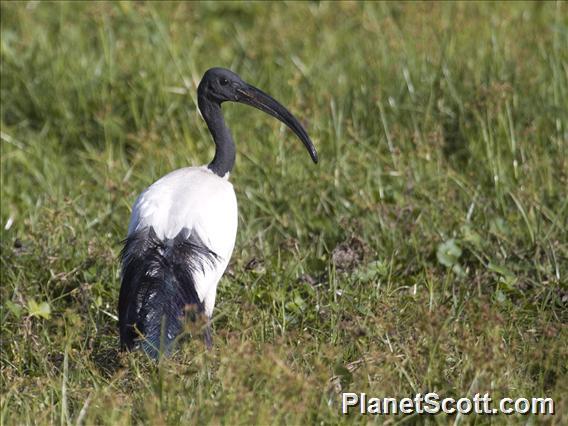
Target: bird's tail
x=158 y=288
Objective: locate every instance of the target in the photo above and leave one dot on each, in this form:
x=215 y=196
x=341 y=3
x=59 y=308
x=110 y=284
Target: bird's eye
x=223 y=81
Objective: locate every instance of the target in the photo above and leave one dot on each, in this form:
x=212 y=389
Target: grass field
x=428 y=251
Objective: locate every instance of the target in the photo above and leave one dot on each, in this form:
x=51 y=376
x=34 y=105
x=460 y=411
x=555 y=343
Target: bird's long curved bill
x=264 y=102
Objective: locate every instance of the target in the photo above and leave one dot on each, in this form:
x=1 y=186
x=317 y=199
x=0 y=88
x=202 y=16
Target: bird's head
x=220 y=85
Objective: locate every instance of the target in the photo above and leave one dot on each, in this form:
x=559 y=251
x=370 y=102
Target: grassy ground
x=428 y=251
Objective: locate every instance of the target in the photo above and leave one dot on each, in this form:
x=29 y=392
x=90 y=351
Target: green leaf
x=458 y=270
x=500 y=296
x=345 y=376
x=470 y=236
x=448 y=253
x=296 y=305
x=498 y=226
x=507 y=279
x=15 y=309
x=40 y=310
x=372 y=270
x=98 y=301
x=501 y=270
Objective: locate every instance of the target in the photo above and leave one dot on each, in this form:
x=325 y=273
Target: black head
x=219 y=85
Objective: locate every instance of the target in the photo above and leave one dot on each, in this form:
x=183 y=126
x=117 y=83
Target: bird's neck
x=225 y=152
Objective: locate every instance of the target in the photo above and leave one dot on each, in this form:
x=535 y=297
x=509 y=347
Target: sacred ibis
x=183 y=227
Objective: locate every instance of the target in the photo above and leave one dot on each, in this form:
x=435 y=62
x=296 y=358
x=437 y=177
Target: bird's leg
x=207 y=337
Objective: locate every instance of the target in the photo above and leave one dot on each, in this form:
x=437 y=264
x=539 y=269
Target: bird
x=183 y=228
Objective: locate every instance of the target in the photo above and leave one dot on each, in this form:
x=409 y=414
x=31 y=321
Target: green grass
x=428 y=251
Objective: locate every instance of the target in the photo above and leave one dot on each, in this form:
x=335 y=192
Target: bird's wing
x=196 y=200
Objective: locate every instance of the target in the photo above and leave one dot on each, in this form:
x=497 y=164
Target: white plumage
x=197 y=199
